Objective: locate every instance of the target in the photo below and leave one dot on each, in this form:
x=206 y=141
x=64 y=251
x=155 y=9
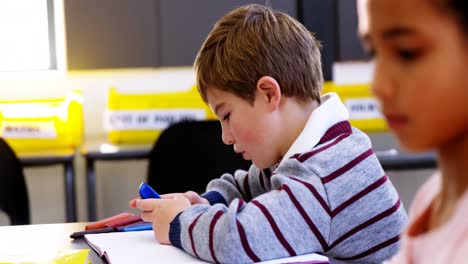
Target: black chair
x=188 y=155
x=14 y=199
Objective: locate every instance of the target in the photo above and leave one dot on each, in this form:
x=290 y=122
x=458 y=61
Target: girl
x=421 y=60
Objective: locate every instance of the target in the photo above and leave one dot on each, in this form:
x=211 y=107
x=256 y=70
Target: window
x=28 y=32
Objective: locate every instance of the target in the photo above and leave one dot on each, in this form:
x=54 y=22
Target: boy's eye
x=407 y=54
x=226 y=117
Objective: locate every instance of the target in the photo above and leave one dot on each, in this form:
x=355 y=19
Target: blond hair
x=254 y=41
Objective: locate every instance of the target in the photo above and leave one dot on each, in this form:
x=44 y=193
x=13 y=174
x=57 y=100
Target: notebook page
x=142 y=247
x=137 y=247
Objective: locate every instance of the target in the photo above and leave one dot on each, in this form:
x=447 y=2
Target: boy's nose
x=227 y=137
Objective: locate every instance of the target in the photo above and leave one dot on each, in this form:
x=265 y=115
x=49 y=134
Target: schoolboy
x=315 y=184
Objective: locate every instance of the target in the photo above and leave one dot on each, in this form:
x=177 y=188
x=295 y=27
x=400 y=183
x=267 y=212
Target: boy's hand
x=161 y=212
x=193 y=197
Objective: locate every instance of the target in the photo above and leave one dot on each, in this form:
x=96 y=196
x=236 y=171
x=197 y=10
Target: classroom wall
x=144 y=33
x=111 y=34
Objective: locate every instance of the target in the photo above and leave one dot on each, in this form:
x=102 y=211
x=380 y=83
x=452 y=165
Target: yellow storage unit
x=41 y=124
x=140 y=118
x=363 y=107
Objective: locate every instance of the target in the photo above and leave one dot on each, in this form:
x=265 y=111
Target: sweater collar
x=330 y=112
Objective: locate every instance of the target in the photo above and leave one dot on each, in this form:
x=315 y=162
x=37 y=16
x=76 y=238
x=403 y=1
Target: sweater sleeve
x=280 y=223
x=244 y=185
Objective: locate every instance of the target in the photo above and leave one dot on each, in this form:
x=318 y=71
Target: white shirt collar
x=330 y=112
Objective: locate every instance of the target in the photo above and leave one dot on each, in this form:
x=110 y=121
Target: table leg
x=70 y=196
x=91 y=185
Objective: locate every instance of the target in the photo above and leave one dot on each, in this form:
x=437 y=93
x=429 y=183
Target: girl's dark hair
x=460 y=9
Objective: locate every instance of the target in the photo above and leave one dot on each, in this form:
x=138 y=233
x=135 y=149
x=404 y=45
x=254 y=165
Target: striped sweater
x=328 y=195
x=334 y=199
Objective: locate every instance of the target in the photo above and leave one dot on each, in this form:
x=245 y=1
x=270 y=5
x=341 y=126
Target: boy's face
x=421 y=62
x=250 y=128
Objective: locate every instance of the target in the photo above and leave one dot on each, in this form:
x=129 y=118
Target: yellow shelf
x=34 y=124
x=362 y=106
x=140 y=118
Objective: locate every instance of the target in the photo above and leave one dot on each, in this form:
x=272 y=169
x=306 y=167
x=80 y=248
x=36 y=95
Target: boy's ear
x=269 y=91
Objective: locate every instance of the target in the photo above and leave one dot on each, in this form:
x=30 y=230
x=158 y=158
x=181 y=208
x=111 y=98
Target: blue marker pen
x=143 y=227
x=147 y=192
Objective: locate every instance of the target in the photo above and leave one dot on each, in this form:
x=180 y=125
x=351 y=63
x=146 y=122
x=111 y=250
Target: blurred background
x=97 y=54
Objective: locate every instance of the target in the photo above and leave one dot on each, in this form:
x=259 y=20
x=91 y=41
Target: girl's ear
x=269 y=91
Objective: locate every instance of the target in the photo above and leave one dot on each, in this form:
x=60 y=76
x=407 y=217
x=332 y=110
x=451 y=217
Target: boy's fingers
x=146 y=204
x=146 y=216
x=168 y=195
x=192 y=196
x=132 y=203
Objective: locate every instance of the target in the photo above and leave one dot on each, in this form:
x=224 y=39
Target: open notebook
x=141 y=247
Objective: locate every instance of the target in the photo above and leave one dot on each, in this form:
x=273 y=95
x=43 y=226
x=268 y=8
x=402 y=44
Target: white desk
x=21 y=240
x=47 y=238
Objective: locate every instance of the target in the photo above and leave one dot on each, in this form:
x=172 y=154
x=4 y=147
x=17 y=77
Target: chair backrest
x=14 y=199
x=188 y=155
